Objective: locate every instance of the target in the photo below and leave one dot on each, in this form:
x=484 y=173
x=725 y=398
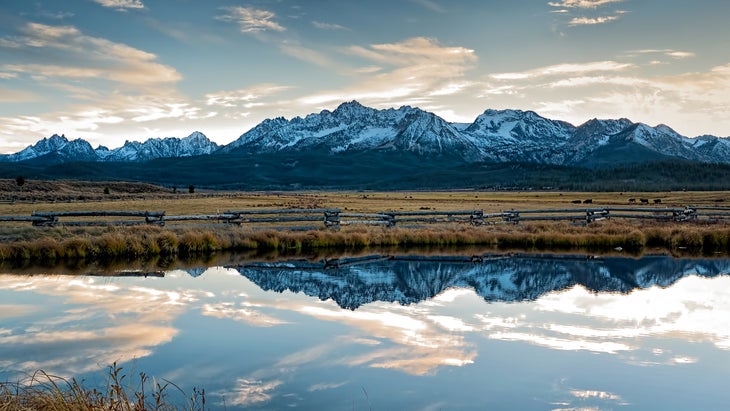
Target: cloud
x=121 y=5
x=328 y=26
x=85 y=56
x=59 y=15
x=406 y=71
x=17 y=96
x=667 y=52
x=566 y=7
x=582 y=4
x=592 y=21
x=565 y=69
x=243 y=97
x=251 y=20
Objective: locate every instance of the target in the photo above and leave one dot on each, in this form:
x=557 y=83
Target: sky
x=114 y=70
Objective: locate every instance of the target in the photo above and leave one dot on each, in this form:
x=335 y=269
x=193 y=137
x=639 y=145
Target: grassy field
x=211 y=202
x=20 y=241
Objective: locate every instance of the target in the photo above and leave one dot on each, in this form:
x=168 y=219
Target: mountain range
x=58 y=149
x=355 y=146
x=494 y=136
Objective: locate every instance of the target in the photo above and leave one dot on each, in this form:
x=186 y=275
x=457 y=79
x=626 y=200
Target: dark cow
x=588 y=201
x=657 y=201
x=632 y=200
x=644 y=200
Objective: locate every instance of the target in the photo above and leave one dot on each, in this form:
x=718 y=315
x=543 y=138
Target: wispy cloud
x=328 y=26
x=246 y=98
x=677 y=54
x=403 y=72
x=17 y=96
x=89 y=57
x=58 y=15
x=567 y=7
x=121 y=4
x=582 y=4
x=252 y=20
x=592 y=21
x=565 y=69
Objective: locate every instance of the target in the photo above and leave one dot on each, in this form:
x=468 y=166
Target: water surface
x=510 y=332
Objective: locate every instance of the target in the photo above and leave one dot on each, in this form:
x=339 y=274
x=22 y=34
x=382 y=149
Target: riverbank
x=50 y=245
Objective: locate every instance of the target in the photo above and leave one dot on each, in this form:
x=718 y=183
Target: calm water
x=521 y=333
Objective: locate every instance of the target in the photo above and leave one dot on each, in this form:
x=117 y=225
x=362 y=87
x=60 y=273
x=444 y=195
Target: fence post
x=477 y=217
x=512 y=216
x=332 y=219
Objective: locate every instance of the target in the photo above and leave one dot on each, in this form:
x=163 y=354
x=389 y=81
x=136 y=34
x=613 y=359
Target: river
x=504 y=332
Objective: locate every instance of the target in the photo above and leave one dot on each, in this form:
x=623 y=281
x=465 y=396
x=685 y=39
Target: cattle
x=632 y=200
x=588 y=201
x=657 y=201
x=644 y=200
x=576 y=201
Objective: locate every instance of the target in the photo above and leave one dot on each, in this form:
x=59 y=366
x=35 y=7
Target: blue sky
x=115 y=70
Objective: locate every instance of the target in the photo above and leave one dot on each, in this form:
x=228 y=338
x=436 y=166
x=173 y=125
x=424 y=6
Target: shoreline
x=60 y=245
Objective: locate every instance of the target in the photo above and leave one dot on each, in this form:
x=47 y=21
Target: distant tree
x=191 y=189
x=20 y=181
x=106 y=190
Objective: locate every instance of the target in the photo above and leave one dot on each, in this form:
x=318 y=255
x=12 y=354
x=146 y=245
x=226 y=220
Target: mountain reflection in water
x=528 y=332
x=510 y=278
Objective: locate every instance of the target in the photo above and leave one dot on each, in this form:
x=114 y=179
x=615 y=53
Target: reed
x=151 y=242
x=43 y=391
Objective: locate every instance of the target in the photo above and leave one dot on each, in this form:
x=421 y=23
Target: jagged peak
x=350 y=105
x=351 y=108
x=275 y=120
x=196 y=135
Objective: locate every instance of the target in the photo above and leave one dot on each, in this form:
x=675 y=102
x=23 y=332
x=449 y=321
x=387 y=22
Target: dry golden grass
x=43 y=391
x=210 y=203
x=149 y=242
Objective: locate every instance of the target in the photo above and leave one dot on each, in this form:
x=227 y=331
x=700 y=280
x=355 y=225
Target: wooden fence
x=334 y=218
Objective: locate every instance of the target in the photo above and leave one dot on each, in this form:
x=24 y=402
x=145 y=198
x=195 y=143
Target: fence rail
x=335 y=218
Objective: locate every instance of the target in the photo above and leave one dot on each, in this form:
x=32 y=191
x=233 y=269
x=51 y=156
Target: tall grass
x=43 y=391
x=155 y=242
